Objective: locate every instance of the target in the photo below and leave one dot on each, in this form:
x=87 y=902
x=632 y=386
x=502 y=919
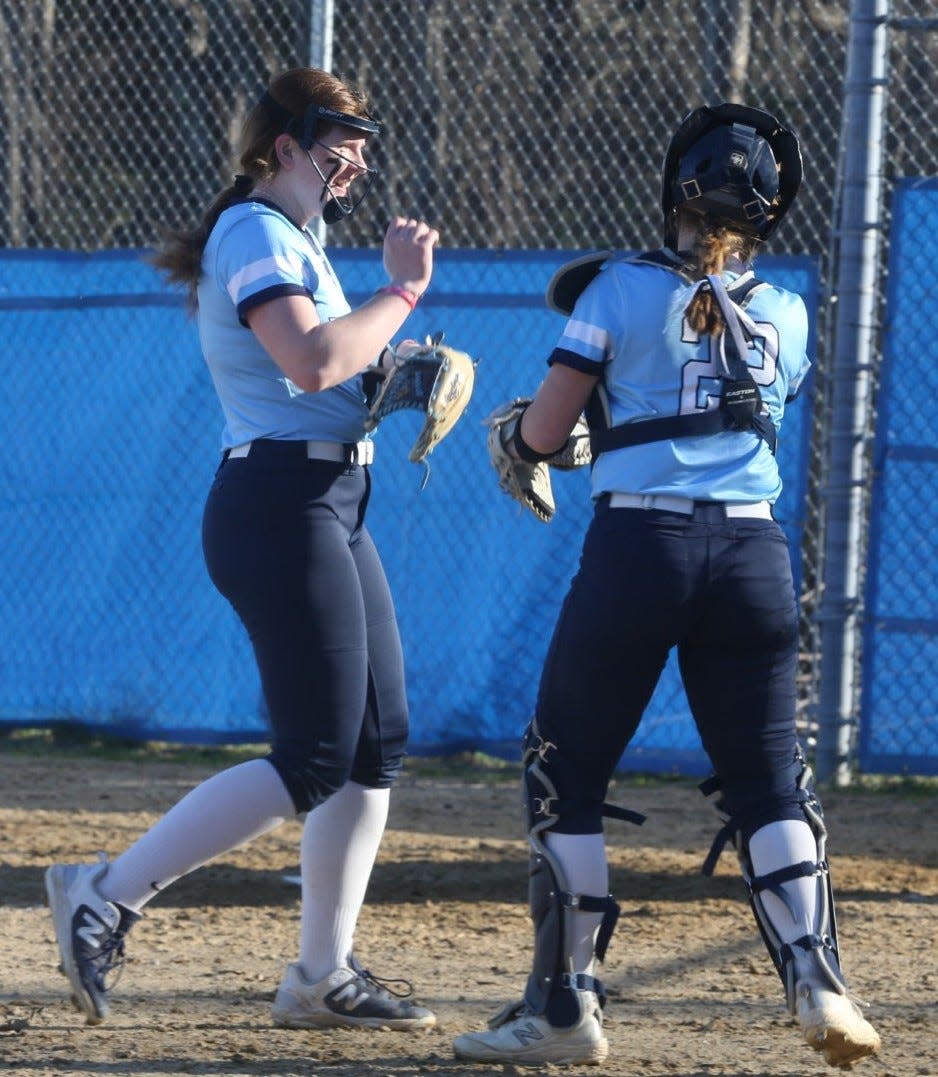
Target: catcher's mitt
x=529 y=483
x=434 y=379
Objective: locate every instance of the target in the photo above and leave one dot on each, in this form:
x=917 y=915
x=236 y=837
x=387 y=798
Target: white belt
x=361 y=453
x=760 y=510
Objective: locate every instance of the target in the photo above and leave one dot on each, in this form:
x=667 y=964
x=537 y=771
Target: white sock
x=222 y=813
x=337 y=853
x=583 y=860
x=779 y=845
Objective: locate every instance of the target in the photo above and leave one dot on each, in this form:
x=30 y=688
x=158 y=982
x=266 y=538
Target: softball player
x=684 y=363
x=285 y=542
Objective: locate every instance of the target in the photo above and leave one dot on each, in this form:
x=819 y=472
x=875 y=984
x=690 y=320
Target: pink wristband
x=410 y=298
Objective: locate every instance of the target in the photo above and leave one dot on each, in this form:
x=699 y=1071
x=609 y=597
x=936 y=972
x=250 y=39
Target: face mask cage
x=337 y=207
x=304 y=129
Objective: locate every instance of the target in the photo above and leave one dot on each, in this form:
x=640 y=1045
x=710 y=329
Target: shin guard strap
x=712 y=789
x=774 y=879
x=806 y=944
x=726 y=833
x=581 y=981
x=610 y=910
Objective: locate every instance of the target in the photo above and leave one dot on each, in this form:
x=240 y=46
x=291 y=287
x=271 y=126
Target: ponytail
x=179 y=254
x=715 y=244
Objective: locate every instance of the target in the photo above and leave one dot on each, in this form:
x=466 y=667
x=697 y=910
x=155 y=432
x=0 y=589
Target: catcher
x=684 y=363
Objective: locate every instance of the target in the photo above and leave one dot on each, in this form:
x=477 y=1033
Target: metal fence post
x=321 y=20
x=856 y=288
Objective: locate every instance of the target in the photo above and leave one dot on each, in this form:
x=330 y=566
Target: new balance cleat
x=90 y=933
x=349 y=997
x=519 y=1036
x=833 y=1025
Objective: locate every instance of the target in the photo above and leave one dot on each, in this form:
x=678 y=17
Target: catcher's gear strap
x=816 y=951
x=536 y=751
x=664 y=428
x=710 y=787
x=554 y=986
x=675 y=426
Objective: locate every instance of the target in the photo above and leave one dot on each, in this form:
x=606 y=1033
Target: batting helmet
x=731 y=163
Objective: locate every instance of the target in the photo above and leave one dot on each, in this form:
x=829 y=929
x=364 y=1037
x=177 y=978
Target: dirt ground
x=692 y=992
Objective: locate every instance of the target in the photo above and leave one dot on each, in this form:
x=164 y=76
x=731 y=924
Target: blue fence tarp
x=899 y=713
x=112 y=433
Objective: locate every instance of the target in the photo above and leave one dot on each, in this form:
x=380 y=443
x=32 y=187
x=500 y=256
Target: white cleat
x=832 y=1024
x=90 y=932
x=526 y=1039
x=349 y=997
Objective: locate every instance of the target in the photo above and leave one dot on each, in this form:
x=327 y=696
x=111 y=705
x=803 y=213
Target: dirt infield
x=692 y=992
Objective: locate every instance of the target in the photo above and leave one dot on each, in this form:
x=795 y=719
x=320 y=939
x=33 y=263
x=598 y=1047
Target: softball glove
x=434 y=379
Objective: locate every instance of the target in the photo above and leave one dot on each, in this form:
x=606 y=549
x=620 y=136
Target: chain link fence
x=510 y=125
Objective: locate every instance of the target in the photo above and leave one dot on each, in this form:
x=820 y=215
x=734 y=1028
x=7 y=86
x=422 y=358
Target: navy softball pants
x=720 y=591
x=285 y=542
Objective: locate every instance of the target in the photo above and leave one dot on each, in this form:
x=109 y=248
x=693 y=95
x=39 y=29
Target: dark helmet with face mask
x=731 y=163
x=306 y=129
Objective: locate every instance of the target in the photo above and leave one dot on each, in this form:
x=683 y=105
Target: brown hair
x=179 y=253
x=714 y=244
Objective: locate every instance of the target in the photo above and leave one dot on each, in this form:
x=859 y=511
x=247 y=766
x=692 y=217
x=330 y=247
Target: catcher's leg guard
x=555 y=988
x=795 y=916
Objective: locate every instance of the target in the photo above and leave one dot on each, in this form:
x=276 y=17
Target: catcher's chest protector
x=739 y=405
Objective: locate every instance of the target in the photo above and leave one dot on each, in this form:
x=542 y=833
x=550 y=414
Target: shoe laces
x=814 y=989
x=401 y=989
x=110 y=959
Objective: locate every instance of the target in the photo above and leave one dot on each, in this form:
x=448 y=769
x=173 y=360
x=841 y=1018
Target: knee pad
x=554 y=988
x=814 y=954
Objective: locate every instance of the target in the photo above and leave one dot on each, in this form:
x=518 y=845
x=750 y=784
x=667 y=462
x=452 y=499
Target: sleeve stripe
x=265 y=267
x=275 y=291
x=584 y=333
x=575 y=361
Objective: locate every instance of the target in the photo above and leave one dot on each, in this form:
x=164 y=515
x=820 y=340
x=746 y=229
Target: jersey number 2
x=700 y=379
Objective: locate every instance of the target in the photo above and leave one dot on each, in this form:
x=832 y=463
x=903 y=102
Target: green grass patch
x=73 y=739
x=468 y=766
x=908 y=785
x=67 y=739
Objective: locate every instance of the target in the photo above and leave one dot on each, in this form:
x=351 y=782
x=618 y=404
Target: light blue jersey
x=255 y=254
x=615 y=333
